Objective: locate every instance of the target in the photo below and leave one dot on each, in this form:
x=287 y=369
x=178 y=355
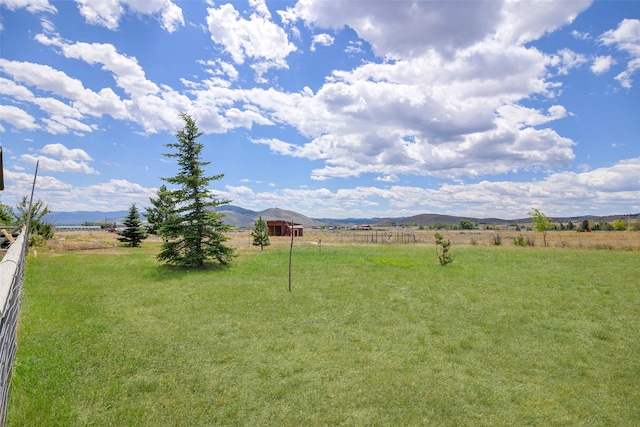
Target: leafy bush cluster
x=523 y=241
x=39 y=231
x=442 y=250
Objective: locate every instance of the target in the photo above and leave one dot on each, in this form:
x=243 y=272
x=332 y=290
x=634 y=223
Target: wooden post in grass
x=290 y=254
x=1 y=171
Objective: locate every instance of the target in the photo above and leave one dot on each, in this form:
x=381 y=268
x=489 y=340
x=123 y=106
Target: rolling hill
x=246 y=218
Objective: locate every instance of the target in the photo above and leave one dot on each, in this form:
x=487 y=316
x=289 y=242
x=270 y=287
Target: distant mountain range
x=234 y=215
x=80 y=217
x=246 y=218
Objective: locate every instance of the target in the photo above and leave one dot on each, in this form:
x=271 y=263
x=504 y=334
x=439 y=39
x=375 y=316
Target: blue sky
x=331 y=109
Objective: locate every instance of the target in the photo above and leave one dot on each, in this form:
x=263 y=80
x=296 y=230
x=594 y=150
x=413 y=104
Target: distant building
x=284 y=228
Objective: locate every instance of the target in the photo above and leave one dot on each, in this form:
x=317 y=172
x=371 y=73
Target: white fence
x=11 y=275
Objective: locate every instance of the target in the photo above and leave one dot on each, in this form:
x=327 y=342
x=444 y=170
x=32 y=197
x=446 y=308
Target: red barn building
x=284 y=228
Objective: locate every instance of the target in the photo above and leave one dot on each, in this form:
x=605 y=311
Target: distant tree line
x=584 y=226
x=103 y=224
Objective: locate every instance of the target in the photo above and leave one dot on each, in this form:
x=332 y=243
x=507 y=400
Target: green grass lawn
x=370 y=335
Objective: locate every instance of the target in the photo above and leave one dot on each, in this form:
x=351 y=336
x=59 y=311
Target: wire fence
x=11 y=276
x=376 y=236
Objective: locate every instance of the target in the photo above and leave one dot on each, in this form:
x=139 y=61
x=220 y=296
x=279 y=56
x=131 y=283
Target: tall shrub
x=39 y=230
x=442 y=250
x=540 y=223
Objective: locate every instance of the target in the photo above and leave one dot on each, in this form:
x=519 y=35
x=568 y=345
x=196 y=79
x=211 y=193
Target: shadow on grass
x=168 y=272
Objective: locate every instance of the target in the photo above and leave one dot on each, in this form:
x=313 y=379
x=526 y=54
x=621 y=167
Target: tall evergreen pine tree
x=194 y=230
x=161 y=211
x=134 y=233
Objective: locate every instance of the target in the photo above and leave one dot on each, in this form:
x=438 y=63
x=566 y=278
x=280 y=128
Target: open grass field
x=371 y=335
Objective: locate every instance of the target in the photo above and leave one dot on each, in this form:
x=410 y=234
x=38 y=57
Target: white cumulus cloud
x=33 y=6
x=602 y=64
x=627 y=39
x=17 y=117
x=108 y=13
x=59 y=158
x=321 y=39
x=257 y=38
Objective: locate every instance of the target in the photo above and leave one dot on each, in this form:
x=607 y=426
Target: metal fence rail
x=376 y=236
x=11 y=275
